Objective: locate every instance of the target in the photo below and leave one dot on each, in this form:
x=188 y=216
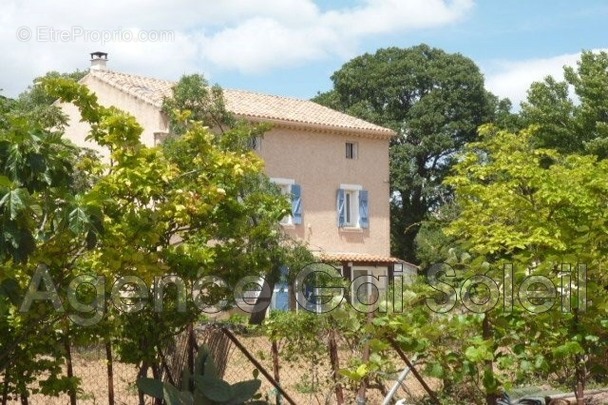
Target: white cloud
x=512 y=79
x=386 y=16
x=262 y=43
x=259 y=44
x=242 y=35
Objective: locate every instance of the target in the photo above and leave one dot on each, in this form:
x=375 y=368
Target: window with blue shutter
x=296 y=203
x=363 y=209
x=341 y=208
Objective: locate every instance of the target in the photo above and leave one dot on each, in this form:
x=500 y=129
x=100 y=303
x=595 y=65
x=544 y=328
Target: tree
x=543 y=213
x=185 y=210
x=204 y=103
x=35 y=102
x=434 y=101
x=191 y=208
x=194 y=101
x=572 y=124
x=46 y=217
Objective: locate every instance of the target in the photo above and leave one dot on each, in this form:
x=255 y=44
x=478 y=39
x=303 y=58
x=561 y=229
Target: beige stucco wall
x=318 y=163
x=314 y=160
x=146 y=114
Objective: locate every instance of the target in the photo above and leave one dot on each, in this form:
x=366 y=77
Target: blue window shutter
x=363 y=209
x=296 y=203
x=341 y=209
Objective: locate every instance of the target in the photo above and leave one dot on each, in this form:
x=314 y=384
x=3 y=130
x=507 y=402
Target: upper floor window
x=351 y=150
x=294 y=191
x=255 y=143
x=352 y=206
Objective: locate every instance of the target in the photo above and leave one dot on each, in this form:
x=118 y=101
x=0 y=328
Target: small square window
x=351 y=150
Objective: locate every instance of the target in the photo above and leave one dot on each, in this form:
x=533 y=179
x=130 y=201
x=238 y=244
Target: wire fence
x=313 y=380
x=286 y=379
x=90 y=366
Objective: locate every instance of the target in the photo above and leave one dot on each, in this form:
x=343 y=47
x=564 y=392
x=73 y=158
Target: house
x=335 y=166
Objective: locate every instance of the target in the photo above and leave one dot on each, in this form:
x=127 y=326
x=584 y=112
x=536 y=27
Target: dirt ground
x=305 y=383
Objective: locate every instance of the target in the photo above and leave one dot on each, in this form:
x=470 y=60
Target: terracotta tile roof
x=250 y=105
x=356 y=258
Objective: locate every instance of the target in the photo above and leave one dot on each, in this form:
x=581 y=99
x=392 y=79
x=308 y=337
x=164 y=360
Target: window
x=352 y=207
x=360 y=287
x=351 y=150
x=289 y=187
x=255 y=143
x=366 y=288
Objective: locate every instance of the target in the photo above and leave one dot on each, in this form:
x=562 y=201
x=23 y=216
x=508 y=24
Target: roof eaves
x=385 y=133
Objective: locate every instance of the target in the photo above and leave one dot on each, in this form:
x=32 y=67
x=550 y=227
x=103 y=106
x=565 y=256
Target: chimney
x=98 y=61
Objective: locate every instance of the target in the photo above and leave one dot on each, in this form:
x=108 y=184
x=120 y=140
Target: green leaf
x=213 y=388
x=14 y=202
x=478 y=354
x=78 y=220
x=150 y=387
x=5 y=182
x=435 y=370
x=10 y=288
x=175 y=397
x=244 y=391
x=568 y=349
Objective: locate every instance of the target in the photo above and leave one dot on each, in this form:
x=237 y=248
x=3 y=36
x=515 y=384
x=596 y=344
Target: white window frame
x=285 y=186
x=367 y=274
x=351 y=192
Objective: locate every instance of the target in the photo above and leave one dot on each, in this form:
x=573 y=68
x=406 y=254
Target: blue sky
x=291 y=47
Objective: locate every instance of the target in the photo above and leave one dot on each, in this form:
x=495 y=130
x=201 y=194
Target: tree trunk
x=580 y=369
x=263 y=300
x=69 y=366
x=275 y=367
x=362 y=392
x=491 y=397
x=5 y=386
x=335 y=367
x=110 y=370
x=579 y=389
x=143 y=372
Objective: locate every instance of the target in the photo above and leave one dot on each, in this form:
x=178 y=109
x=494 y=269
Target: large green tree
x=543 y=213
x=572 y=115
x=434 y=101
x=191 y=209
x=45 y=218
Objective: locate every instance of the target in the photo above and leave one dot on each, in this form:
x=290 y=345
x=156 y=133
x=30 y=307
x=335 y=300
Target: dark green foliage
x=204 y=104
x=435 y=101
x=572 y=124
x=36 y=102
